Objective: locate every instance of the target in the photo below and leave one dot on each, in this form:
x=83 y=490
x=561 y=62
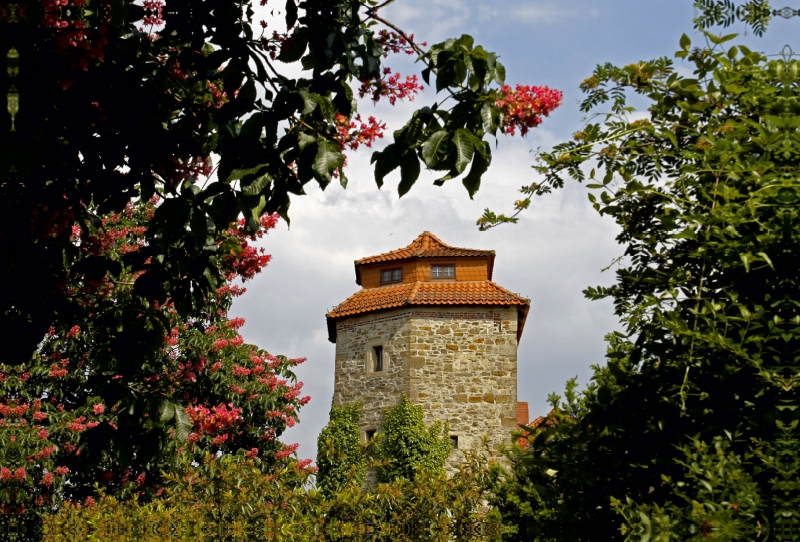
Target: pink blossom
x=524 y=107
x=219 y=344
x=391 y=86
x=235 y=323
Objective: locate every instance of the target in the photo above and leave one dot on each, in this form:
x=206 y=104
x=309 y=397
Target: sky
x=558 y=248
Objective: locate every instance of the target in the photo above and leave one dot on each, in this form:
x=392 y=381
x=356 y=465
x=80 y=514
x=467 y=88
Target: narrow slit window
x=370 y=434
x=389 y=276
x=443 y=271
x=454 y=441
x=377 y=358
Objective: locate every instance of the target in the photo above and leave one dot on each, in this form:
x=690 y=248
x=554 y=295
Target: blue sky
x=558 y=248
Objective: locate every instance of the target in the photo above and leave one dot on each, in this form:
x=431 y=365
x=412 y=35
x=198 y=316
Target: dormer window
x=388 y=276
x=443 y=271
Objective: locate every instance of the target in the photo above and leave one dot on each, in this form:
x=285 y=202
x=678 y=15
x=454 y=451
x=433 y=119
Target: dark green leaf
x=480 y=164
x=434 y=149
x=409 y=172
x=463 y=149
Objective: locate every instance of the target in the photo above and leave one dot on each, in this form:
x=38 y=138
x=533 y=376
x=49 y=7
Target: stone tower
x=429 y=321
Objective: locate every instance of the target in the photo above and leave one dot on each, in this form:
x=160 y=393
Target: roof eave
x=331 y=329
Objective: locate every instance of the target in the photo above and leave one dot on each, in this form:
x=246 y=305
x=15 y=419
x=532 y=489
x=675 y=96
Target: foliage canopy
x=691 y=429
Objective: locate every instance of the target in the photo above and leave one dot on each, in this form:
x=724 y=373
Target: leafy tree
x=697 y=407
x=110 y=102
x=404 y=445
x=340 y=458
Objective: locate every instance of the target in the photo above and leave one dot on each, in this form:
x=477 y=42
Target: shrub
x=405 y=446
x=340 y=457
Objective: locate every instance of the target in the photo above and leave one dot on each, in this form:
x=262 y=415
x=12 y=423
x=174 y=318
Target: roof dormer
x=426 y=259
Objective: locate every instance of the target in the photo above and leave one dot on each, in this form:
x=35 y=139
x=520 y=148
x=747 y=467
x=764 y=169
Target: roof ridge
x=413 y=292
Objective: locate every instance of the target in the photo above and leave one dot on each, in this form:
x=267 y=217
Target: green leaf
x=480 y=164
x=434 y=149
x=720 y=39
x=385 y=162
x=441 y=180
x=477 y=143
x=409 y=172
x=304 y=139
x=500 y=74
x=464 y=149
x=166 y=410
x=329 y=157
x=685 y=42
x=766 y=259
x=489 y=115
x=237 y=174
x=182 y=424
x=257 y=186
x=310 y=102
x=747 y=258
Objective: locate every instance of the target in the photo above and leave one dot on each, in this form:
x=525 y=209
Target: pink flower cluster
x=7 y=476
x=235 y=323
x=352 y=134
x=13 y=411
x=394 y=43
x=391 y=86
x=524 y=107
x=154 y=15
x=193 y=167
x=276 y=43
x=56 y=372
x=213 y=421
x=72 y=36
x=246 y=260
x=286 y=451
x=47 y=479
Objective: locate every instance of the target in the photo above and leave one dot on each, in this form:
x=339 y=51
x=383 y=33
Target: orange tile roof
x=482 y=292
x=426 y=245
x=550 y=419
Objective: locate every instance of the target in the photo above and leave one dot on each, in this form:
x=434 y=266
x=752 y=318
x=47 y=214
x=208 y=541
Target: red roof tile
x=482 y=292
x=426 y=245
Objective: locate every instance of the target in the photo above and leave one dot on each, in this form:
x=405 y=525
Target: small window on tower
x=370 y=434
x=454 y=441
x=389 y=276
x=377 y=358
x=443 y=271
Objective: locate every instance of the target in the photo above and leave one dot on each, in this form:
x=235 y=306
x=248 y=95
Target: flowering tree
x=75 y=416
x=111 y=102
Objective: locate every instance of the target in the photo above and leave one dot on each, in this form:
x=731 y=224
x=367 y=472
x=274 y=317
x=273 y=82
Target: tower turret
x=430 y=323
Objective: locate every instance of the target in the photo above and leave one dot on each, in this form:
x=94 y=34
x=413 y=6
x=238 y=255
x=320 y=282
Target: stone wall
x=460 y=363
